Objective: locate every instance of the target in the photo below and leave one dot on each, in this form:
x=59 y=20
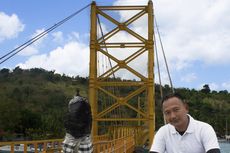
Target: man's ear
x=186 y=106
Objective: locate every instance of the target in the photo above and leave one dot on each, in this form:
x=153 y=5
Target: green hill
x=33 y=103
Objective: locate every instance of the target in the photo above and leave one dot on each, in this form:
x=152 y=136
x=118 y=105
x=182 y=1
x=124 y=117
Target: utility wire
x=170 y=80
x=37 y=37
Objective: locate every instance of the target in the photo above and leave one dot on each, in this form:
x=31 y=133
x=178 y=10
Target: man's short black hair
x=171 y=95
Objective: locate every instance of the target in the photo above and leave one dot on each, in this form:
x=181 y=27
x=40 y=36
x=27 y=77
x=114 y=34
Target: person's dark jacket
x=78 y=120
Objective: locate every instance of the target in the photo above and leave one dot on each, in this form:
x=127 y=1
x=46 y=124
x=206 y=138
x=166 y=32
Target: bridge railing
x=31 y=146
x=101 y=144
x=121 y=145
x=104 y=137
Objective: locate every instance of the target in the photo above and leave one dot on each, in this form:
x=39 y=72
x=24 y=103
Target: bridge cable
x=102 y=34
x=114 y=89
x=170 y=80
x=37 y=37
x=158 y=66
x=159 y=73
x=109 y=88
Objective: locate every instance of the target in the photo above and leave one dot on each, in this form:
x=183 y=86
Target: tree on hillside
x=205 y=89
x=223 y=92
x=4 y=73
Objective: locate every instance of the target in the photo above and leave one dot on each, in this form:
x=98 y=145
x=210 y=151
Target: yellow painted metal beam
x=121 y=101
x=102 y=83
x=121 y=7
x=107 y=17
x=108 y=35
x=122 y=45
x=122 y=119
x=122 y=64
x=118 y=84
x=151 y=91
x=135 y=17
x=93 y=67
x=109 y=55
x=136 y=35
x=109 y=73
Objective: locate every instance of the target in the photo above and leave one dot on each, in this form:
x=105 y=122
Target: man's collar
x=190 y=128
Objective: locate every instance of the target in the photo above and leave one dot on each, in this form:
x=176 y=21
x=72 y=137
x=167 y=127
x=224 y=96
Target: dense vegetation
x=33 y=103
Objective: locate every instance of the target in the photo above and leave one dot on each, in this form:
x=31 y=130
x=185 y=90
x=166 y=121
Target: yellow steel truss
x=99 y=82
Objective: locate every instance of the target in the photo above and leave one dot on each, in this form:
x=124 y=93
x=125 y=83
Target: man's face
x=175 y=113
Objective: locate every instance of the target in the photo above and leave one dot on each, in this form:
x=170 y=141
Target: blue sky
x=195 y=35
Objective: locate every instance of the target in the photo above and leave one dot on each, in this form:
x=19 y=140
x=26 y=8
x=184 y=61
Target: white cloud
x=58 y=37
x=38 y=33
x=28 y=51
x=226 y=85
x=74 y=36
x=217 y=86
x=10 y=26
x=72 y=59
x=34 y=47
x=189 y=77
x=164 y=78
x=214 y=86
x=195 y=32
x=130 y=2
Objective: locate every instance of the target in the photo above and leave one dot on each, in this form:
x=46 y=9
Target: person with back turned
x=182 y=133
x=78 y=124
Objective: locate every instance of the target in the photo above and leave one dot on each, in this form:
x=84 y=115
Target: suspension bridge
x=122 y=109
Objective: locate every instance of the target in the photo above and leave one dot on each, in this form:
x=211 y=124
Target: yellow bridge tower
x=117 y=102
